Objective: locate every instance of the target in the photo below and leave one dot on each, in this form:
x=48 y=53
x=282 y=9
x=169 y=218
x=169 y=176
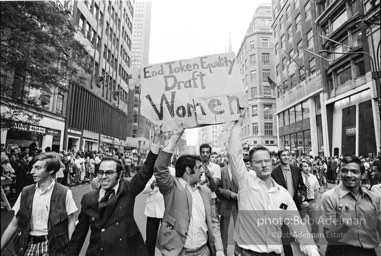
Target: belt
x=37 y=239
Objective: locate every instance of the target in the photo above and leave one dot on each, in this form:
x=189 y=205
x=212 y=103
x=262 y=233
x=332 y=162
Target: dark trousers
x=348 y=250
x=224 y=227
x=151 y=234
x=244 y=252
x=287 y=239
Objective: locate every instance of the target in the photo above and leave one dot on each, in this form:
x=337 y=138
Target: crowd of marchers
x=277 y=204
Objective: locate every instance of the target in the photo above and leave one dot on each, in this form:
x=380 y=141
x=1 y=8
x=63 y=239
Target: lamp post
x=375 y=76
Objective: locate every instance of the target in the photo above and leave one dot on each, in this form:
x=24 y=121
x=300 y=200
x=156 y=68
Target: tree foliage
x=38 y=48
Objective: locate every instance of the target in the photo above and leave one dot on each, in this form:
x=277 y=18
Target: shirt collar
x=47 y=189
x=114 y=188
x=285 y=167
x=185 y=184
x=343 y=191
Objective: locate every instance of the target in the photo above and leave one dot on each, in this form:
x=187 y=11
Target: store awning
x=20 y=143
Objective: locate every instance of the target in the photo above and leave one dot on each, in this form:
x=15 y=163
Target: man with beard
x=351 y=214
x=290 y=177
x=212 y=170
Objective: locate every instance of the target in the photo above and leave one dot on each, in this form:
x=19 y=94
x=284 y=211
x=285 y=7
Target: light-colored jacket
x=178 y=210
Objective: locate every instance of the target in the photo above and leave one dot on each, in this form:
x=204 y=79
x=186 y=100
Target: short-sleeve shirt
x=41 y=209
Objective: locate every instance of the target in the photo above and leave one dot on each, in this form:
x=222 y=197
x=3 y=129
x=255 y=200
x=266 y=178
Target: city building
x=97 y=108
x=298 y=78
x=210 y=135
x=139 y=132
x=256 y=61
x=350 y=33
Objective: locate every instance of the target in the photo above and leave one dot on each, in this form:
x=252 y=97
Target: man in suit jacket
x=190 y=225
x=111 y=217
x=290 y=177
x=228 y=205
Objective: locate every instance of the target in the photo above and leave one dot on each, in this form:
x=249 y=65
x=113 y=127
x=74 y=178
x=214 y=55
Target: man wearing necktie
x=313 y=207
x=290 y=177
x=109 y=211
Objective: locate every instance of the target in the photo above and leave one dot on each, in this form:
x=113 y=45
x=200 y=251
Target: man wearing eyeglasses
x=263 y=204
x=109 y=211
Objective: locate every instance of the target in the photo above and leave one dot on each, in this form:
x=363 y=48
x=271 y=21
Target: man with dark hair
x=351 y=214
x=43 y=212
x=109 y=210
x=290 y=177
x=263 y=204
x=190 y=225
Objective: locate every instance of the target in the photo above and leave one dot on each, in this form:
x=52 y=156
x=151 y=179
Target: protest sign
x=194 y=92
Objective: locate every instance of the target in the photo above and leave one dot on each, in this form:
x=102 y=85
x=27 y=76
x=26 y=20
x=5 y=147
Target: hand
x=220 y=253
x=234 y=195
x=305 y=204
x=178 y=132
x=241 y=117
x=208 y=174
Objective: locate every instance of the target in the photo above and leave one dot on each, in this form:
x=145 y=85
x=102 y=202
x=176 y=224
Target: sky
x=184 y=29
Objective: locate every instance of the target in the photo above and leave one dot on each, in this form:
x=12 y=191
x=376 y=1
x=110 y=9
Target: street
x=140 y=218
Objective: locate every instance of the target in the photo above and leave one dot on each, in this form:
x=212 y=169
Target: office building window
x=293 y=81
x=267 y=91
x=59 y=106
x=255 y=128
x=276 y=49
x=297 y=23
x=312 y=65
x=253 y=92
x=310 y=39
x=252 y=59
x=254 y=110
x=275 y=30
x=300 y=49
x=288 y=12
x=277 y=70
x=307 y=9
x=252 y=45
x=289 y=33
x=282 y=42
x=253 y=76
x=265 y=42
x=265 y=58
x=268 y=111
x=268 y=129
x=266 y=73
x=302 y=74
x=284 y=62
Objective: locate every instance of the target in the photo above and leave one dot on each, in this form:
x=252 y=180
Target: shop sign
x=74 y=131
x=351 y=131
x=106 y=139
x=20 y=126
x=53 y=132
x=37 y=129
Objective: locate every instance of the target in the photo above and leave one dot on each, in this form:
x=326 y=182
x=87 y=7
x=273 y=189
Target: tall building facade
x=97 y=108
x=210 y=135
x=298 y=76
x=350 y=39
x=255 y=58
x=141 y=33
x=140 y=128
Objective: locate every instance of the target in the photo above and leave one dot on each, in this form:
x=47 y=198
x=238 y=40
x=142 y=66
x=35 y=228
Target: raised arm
x=235 y=153
x=162 y=174
x=139 y=181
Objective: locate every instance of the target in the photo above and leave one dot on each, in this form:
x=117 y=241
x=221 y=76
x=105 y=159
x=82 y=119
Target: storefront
x=73 y=139
x=90 y=141
x=24 y=135
x=106 y=144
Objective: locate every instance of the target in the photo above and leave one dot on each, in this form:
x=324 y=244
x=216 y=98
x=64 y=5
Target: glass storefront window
x=307 y=141
x=305 y=109
x=286 y=118
x=293 y=142
x=300 y=142
x=298 y=113
x=292 y=115
x=281 y=120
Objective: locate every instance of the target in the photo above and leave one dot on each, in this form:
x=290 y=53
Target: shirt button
x=103 y=230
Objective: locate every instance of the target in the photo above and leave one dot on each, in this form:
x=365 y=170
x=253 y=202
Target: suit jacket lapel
x=294 y=174
x=112 y=203
x=189 y=199
x=279 y=172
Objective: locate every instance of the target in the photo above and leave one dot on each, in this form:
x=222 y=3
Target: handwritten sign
x=194 y=92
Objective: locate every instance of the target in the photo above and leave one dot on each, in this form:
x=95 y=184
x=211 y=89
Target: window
x=282 y=42
x=96 y=11
x=298 y=113
x=296 y=4
x=293 y=81
x=82 y=22
x=266 y=73
x=107 y=27
x=252 y=45
x=255 y=128
x=285 y=86
x=265 y=42
x=344 y=74
x=297 y=23
x=277 y=70
x=265 y=58
x=310 y=39
x=268 y=129
x=253 y=92
x=275 y=30
x=276 y=49
x=253 y=76
x=59 y=106
x=267 y=91
x=312 y=65
x=305 y=110
x=288 y=12
x=300 y=49
x=284 y=62
x=105 y=52
x=254 y=110
x=252 y=59
x=307 y=9
x=268 y=111
x=289 y=33
x=340 y=20
x=302 y=74
x=292 y=53
x=292 y=115
x=281 y=24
